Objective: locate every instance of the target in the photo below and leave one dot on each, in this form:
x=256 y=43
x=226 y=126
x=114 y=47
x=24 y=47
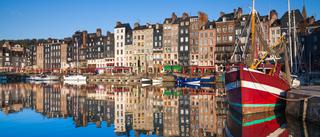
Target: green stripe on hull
x=254 y=122
x=253 y=105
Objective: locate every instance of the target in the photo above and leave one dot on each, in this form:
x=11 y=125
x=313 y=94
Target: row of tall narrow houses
x=180 y=40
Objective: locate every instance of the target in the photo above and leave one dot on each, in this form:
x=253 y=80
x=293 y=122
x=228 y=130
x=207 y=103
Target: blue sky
x=22 y=19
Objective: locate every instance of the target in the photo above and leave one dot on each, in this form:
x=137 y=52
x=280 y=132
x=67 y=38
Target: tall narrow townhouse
x=123 y=37
x=139 y=48
x=157 y=48
x=184 y=43
x=225 y=39
x=207 y=44
x=148 y=49
x=195 y=24
x=170 y=40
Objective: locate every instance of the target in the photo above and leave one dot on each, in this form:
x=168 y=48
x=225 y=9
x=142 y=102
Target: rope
x=298 y=99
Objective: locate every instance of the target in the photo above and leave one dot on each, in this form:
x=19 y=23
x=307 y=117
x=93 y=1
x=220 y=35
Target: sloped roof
x=229 y=16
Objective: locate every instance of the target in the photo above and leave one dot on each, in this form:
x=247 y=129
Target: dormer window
x=224 y=19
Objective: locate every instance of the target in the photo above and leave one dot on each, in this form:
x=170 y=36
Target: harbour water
x=57 y=109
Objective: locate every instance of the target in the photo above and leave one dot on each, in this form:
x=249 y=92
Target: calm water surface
x=43 y=109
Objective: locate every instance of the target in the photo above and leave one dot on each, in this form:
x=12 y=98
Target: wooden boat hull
x=251 y=91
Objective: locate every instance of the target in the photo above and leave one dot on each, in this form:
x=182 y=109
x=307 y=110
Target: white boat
x=77 y=83
x=75 y=78
x=145 y=85
x=157 y=80
x=44 y=78
x=193 y=82
x=145 y=80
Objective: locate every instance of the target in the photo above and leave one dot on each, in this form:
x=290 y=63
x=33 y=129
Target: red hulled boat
x=260 y=87
x=252 y=91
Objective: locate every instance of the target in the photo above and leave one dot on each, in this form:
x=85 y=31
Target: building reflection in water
x=161 y=111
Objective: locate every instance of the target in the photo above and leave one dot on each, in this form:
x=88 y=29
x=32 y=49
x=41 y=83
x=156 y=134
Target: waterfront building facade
x=207 y=45
x=123 y=37
x=157 y=48
x=225 y=39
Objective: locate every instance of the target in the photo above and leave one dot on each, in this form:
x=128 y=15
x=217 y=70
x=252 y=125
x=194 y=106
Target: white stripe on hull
x=245 y=69
x=255 y=86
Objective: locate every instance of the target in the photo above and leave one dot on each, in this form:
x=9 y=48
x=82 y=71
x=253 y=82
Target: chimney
x=185 y=15
x=98 y=32
x=173 y=16
x=108 y=33
x=222 y=13
x=84 y=38
x=239 y=13
x=273 y=14
x=136 y=25
x=203 y=18
x=118 y=23
x=311 y=20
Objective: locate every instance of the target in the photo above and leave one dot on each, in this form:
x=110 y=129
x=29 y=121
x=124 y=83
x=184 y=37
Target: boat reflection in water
x=271 y=124
x=35 y=109
x=125 y=110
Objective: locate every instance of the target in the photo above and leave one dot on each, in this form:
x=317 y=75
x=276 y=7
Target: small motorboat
x=145 y=80
x=43 y=77
x=75 y=78
x=157 y=80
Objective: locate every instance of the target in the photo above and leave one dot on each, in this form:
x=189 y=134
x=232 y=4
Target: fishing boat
x=269 y=124
x=257 y=86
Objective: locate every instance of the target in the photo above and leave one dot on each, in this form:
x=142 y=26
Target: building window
x=181 y=48
x=230 y=28
x=181 y=39
x=218 y=39
x=224 y=29
x=224 y=38
x=230 y=38
x=218 y=29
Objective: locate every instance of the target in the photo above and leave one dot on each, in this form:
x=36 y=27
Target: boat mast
x=289 y=33
x=253 y=50
x=295 y=43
